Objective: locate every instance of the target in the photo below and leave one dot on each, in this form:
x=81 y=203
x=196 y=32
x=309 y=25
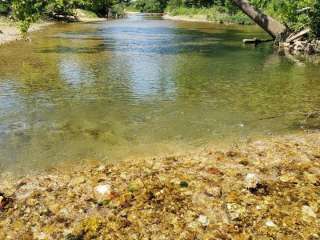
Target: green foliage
x=288 y=12
x=216 y=14
x=5 y=7
x=100 y=7
x=27 y=12
x=315 y=19
x=118 y=10
x=103 y=7
x=151 y=6
x=60 y=7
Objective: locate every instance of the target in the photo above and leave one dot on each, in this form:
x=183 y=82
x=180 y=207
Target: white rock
x=214 y=191
x=308 y=211
x=252 y=180
x=101 y=168
x=203 y=220
x=270 y=223
x=104 y=189
x=42 y=236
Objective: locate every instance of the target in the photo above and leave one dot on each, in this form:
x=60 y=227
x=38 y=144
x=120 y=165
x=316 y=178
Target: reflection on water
x=142 y=86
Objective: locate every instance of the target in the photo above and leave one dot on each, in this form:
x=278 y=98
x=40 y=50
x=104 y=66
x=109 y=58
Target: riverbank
x=206 y=15
x=144 y=14
x=301 y=46
x=259 y=190
x=9 y=31
x=196 y=18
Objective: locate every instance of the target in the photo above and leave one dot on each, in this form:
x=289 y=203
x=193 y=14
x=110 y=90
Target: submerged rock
x=252 y=180
x=214 y=191
x=102 y=192
x=235 y=211
x=308 y=212
x=203 y=220
x=270 y=223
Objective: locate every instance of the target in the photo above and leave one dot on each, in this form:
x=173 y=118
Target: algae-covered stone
x=235 y=211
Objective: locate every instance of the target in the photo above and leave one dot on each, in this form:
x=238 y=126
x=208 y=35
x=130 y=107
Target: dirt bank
x=262 y=190
x=10 y=32
x=195 y=18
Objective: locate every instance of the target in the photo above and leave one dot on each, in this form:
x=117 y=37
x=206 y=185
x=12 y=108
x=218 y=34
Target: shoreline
x=195 y=18
x=258 y=189
x=200 y=19
x=299 y=48
x=10 y=32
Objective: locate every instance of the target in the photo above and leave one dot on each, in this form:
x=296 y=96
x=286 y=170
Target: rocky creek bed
x=266 y=189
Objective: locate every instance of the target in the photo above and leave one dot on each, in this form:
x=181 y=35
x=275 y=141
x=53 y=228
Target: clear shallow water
x=142 y=86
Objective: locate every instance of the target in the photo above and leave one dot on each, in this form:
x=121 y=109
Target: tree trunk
x=267 y=23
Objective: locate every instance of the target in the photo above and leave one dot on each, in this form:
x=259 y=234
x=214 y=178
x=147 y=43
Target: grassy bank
x=262 y=190
x=213 y=14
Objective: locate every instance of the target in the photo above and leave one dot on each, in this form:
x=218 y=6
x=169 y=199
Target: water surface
x=143 y=86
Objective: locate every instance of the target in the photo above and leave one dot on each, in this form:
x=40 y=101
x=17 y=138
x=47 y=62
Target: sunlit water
x=140 y=87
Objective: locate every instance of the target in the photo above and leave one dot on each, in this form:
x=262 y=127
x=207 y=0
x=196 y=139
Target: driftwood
x=298 y=35
x=256 y=41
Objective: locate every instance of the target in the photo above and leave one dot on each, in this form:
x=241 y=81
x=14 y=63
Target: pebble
x=214 y=192
x=235 y=211
x=308 y=212
x=137 y=200
x=252 y=180
x=101 y=168
x=203 y=220
x=103 y=189
x=270 y=223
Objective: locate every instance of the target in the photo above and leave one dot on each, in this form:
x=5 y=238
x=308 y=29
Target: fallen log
x=267 y=23
x=298 y=35
x=256 y=41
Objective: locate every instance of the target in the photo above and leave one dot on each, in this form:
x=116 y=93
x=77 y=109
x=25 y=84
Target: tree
x=27 y=12
x=267 y=23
